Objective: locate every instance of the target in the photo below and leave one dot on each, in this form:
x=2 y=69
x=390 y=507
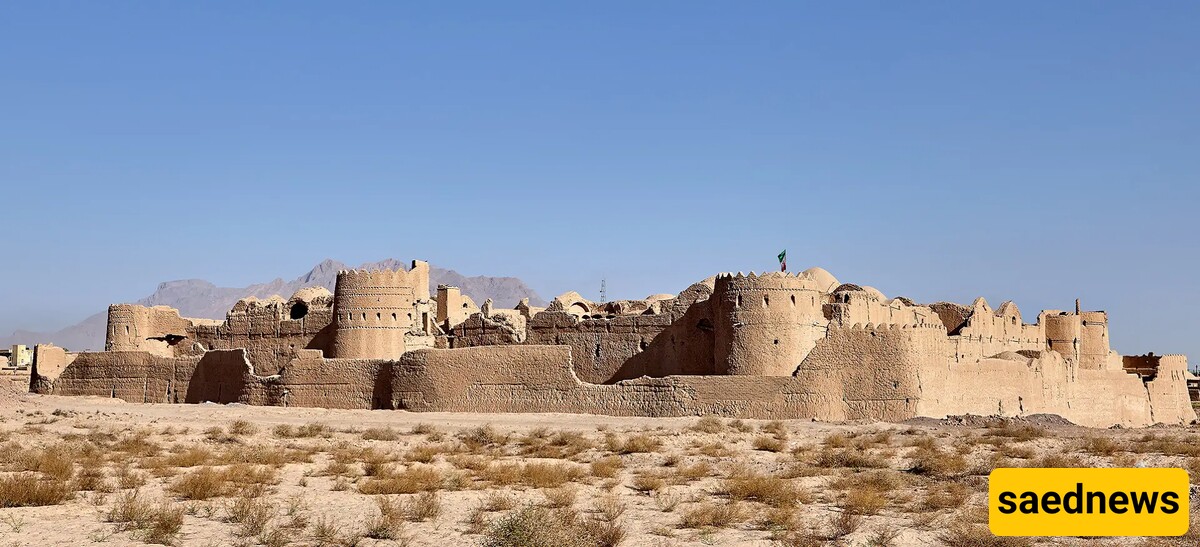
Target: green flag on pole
x=783 y=261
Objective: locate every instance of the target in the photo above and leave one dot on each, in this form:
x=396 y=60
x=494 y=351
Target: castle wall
x=871 y=371
x=271 y=331
x=987 y=333
x=678 y=339
x=137 y=328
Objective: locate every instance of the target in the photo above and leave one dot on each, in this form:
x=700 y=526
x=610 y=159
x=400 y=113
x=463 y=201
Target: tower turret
x=374 y=309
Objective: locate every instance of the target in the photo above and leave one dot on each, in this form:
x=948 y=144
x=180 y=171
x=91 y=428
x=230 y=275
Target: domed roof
x=874 y=292
x=308 y=294
x=847 y=287
x=657 y=297
x=825 y=280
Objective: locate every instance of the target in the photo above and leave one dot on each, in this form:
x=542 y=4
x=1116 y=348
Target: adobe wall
x=134 y=376
x=137 y=328
x=870 y=371
x=1169 y=400
x=985 y=333
x=676 y=340
x=1050 y=384
x=271 y=331
x=310 y=381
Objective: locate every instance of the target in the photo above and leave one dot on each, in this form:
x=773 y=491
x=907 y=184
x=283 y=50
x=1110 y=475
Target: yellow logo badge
x=1088 y=502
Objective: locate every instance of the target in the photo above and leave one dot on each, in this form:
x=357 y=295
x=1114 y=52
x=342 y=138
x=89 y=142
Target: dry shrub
x=770 y=444
x=250 y=514
x=424 y=429
x=470 y=462
x=276 y=456
x=389 y=524
x=54 y=463
x=775 y=428
x=1017 y=451
x=881 y=480
x=550 y=475
x=409 y=481
x=937 y=463
x=666 y=500
x=848 y=458
x=633 y=444
x=27 y=490
x=207 y=482
x=844 y=524
x=201 y=484
x=920 y=440
x=189 y=457
x=696 y=471
x=1166 y=445
x=646 y=483
x=242 y=427
x=1100 y=446
x=946 y=495
x=425 y=506
x=965 y=534
x=561 y=445
x=326 y=532
x=154 y=522
x=424 y=453
x=711 y=515
x=864 y=501
x=752 y=486
x=380 y=434
x=714 y=450
x=481 y=437
x=535 y=474
x=779 y=519
x=306 y=431
x=1057 y=460
x=559 y=497
x=533 y=526
x=137 y=444
x=92 y=479
x=607 y=467
x=740 y=426
x=609 y=508
x=837 y=440
x=496 y=501
x=708 y=424
x=1016 y=431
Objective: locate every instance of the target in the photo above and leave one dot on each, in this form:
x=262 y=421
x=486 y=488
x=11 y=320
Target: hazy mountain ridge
x=202 y=299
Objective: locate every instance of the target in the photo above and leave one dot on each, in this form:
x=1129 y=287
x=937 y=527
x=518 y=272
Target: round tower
x=1062 y=333
x=766 y=325
x=126 y=326
x=372 y=312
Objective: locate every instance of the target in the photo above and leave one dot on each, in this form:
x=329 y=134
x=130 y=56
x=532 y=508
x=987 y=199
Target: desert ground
x=85 y=471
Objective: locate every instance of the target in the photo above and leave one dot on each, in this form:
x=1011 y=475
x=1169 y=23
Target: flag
x=783 y=261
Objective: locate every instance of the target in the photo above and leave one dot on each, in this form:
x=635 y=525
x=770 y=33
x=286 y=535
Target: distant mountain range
x=201 y=299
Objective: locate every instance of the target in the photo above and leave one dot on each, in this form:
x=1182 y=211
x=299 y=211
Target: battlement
x=732 y=282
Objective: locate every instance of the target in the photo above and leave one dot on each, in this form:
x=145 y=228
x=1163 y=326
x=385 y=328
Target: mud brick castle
x=773 y=345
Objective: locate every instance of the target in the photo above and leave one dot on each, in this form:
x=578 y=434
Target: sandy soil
x=921 y=483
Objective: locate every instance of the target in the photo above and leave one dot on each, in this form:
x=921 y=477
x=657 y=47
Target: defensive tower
x=374 y=309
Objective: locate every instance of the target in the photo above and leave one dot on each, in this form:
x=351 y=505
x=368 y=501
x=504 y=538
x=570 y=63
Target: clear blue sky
x=1034 y=151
